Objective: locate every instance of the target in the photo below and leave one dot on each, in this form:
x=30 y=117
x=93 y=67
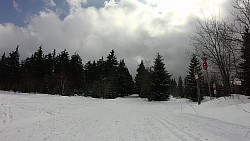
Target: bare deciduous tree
x=242 y=13
x=215 y=38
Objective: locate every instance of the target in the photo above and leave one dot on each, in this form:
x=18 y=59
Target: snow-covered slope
x=233 y=109
x=45 y=117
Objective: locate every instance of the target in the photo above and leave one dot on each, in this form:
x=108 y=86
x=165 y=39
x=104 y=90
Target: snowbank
x=233 y=109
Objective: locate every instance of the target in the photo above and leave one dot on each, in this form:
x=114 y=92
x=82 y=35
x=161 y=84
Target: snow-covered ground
x=25 y=117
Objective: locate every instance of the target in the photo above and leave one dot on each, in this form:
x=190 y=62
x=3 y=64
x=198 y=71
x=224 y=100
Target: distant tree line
x=65 y=75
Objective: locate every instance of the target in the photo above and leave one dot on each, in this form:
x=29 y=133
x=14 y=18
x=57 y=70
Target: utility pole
x=197 y=86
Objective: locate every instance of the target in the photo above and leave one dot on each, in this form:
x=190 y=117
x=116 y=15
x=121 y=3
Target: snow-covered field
x=29 y=117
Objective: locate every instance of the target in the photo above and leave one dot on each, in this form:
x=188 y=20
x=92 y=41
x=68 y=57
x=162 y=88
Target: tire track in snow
x=177 y=132
x=195 y=134
x=180 y=134
x=217 y=128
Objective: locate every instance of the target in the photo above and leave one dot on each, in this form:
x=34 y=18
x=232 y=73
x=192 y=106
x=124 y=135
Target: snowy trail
x=43 y=117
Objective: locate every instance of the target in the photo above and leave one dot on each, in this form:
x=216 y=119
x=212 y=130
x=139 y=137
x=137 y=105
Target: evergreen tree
x=122 y=82
x=3 y=72
x=139 y=76
x=129 y=82
x=180 y=87
x=111 y=73
x=37 y=69
x=245 y=65
x=185 y=90
x=145 y=90
x=191 y=84
x=12 y=69
x=125 y=80
x=62 y=72
x=173 y=88
x=76 y=74
x=49 y=79
x=160 y=81
x=111 y=64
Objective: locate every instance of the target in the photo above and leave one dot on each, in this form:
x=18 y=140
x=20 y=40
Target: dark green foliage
x=10 y=71
x=173 y=88
x=42 y=73
x=145 y=86
x=139 y=77
x=49 y=80
x=3 y=72
x=160 y=81
x=111 y=64
x=124 y=87
x=108 y=78
x=37 y=69
x=190 y=82
x=245 y=65
x=180 y=88
x=185 y=90
x=76 y=74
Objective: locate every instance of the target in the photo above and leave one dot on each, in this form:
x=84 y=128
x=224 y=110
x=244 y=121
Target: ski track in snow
x=44 y=117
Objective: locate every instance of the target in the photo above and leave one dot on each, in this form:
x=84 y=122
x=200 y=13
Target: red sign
x=205 y=65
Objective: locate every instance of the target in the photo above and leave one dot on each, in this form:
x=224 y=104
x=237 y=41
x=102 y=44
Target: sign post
x=196 y=76
x=205 y=66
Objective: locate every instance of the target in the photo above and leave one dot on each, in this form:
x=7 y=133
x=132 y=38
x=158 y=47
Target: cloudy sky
x=135 y=29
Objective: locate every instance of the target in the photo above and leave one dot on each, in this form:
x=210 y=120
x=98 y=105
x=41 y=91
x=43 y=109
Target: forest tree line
x=66 y=75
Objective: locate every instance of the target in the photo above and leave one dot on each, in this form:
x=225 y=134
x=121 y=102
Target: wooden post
x=198 y=86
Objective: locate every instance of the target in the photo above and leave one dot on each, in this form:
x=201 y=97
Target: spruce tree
x=139 y=76
x=76 y=74
x=111 y=66
x=12 y=69
x=129 y=82
x=160 y=80
x=49 y=79
x=145 y=90
x=122 y=84
x=62 y=66
x=245 y=65
x=3 y=72
x=173 y=88
x=180 y=88
x=185 y=90
x=38 y=69
x=191 y=84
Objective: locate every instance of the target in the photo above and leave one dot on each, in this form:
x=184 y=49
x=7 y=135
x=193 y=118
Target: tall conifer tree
x=191 y=84
x=160 y=80
x=245 y=65
x=13 y=70
x=139 y=76
x=180 y=87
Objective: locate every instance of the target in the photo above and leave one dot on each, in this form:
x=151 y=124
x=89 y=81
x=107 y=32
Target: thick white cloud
x=135 y=29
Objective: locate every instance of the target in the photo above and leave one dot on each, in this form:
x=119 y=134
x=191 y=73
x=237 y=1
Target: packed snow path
x=25 y=117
